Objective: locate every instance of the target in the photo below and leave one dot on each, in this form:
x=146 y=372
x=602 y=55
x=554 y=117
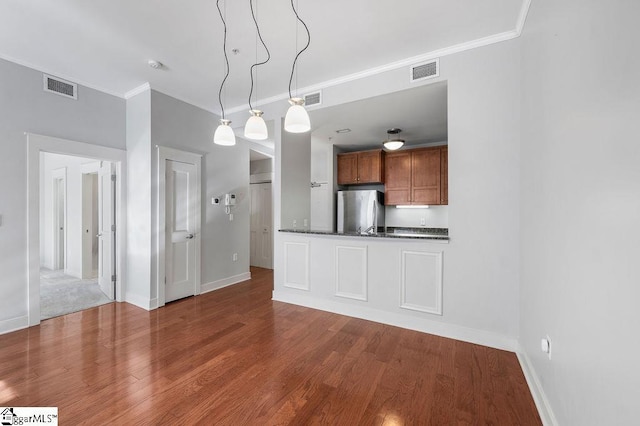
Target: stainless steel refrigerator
x=360 y=212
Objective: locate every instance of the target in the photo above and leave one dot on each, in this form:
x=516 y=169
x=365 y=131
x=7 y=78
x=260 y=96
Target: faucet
x=370 y=230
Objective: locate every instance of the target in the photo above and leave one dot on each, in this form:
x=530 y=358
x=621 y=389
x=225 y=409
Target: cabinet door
x=370 y=167
x=444 y=175
x=347 y=168
x=425 y=176
x=397 y=178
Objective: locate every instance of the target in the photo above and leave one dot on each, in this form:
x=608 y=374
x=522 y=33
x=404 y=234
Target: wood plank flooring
x=234 y=357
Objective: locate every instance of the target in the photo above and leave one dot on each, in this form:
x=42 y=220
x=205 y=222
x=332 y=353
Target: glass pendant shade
x=256 y=128
x=392 y=145
x=224 y=134
x=297 y=118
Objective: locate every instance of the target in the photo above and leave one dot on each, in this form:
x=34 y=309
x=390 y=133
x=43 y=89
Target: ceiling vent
x=426 y=70
x=60 y=87
x=312 y=99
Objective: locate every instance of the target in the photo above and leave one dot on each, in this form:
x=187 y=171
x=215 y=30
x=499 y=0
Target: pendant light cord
x=226 y=58
x=265 y=48
x=293 y=67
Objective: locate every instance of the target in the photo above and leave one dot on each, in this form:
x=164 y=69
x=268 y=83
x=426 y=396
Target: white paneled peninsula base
x=395 y=281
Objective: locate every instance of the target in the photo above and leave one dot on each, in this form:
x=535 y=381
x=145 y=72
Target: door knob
x=99 y=235
x=190 y=236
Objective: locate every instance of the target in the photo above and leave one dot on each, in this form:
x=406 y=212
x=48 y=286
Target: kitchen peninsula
x=394 y=278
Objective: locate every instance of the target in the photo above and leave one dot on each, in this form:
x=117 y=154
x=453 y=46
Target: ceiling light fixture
x=256 y=128
x=343 y=131
x=224 y=133
x=392 y=143
x=297 y=118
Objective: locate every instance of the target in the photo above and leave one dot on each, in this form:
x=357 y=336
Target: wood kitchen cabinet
x=415 y=177
x=361 y=167
x=444 y=173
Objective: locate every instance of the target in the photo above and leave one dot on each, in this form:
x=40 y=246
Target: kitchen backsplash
x=433 y=217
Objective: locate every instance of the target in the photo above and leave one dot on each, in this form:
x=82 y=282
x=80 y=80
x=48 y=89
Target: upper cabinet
x=417 y=176
x=361 y=167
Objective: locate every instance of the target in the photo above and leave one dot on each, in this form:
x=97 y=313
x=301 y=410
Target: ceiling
x=421 y=114
x=106 y=44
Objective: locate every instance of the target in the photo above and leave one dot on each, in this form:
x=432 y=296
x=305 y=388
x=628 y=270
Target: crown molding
x=133 y=92
x=425 y=57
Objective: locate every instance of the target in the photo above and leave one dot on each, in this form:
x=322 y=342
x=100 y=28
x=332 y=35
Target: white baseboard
x=465 y=334
x=14 y=324
x=225 y=282
x=539 y=396
x=141 y=302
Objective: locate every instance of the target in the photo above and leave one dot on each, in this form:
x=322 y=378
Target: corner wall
x=94 y=118
x=580 y=228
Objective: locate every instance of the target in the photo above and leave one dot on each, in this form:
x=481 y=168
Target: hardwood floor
x=235 y=357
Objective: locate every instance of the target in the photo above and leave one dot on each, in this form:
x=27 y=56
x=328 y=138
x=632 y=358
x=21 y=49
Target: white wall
x=94 y=118
x=322 y=198
x=296 y=179
x=138 y=114
x=179 y=125
x=481 y=275
x=581 y=208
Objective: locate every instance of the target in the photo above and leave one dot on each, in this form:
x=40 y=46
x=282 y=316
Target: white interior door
x=106 y=229
x=261 y=226
x=59 y=226
x=182 y=205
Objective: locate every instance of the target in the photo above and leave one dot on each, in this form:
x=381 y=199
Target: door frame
x=59 y=177
x=172 y=154
x=37 y=144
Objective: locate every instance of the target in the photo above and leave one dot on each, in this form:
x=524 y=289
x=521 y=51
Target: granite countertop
x=389 y=232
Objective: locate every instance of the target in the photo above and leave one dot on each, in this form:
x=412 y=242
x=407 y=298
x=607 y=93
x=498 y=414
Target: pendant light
x=297 y=119
x=256 y=128
x=224 y=133
x=392 y=143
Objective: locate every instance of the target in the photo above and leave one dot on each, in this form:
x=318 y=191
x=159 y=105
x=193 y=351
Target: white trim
x=437 y=309
x=14 y=324
x=522 y=17
x=141 y=302
x=407 y=62
x=225 y=282
x=439 y=328
x=365 y=279
x=164 y=154
x=287 y=283
x=485 y=41
x=88 y=168
x=37 y=144
x=136 y=91
x=537 y=391
x=56 y=175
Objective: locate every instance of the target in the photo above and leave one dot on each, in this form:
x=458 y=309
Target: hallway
x=62 y=294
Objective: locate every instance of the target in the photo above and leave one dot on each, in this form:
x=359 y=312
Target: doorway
x=47 y=212
x=261 y=222
x=179 y=224
x=76 y=267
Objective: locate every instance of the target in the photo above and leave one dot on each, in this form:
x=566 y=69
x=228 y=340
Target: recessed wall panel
x=351 y=272
x=296 y=265
x=421 y=282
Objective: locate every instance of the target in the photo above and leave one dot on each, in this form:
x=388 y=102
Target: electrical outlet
x=545 y=345
x=305 y=223
x=235 y=257
x=230 y=217
x=295 y=223
x=423 y=221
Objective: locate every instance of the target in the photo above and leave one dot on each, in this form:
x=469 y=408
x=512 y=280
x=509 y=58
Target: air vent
x=312 y=99
x=424 y=71
x=60 y=87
